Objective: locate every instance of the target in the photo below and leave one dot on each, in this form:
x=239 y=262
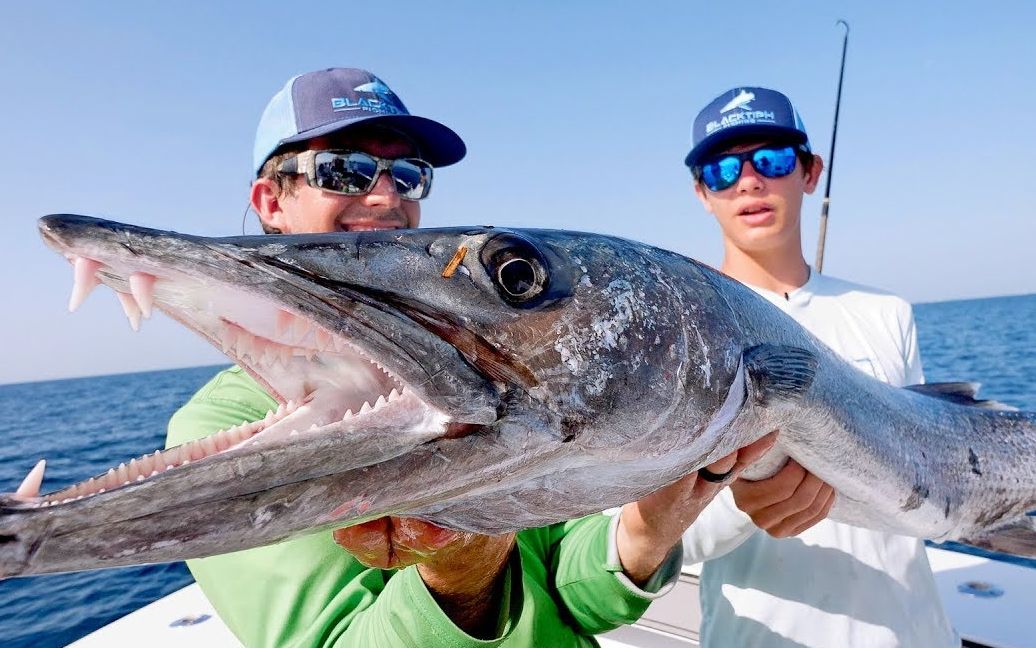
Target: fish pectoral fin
x=963 y=393
x=1017 y=538
x=778 y=372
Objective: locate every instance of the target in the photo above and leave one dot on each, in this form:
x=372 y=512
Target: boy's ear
x=702 y=196
x=813 y=173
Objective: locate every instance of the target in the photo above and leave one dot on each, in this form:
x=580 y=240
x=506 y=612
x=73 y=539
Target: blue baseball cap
x=327 y=101
x=744 y=113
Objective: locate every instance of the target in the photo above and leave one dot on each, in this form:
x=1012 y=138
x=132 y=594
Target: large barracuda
x=490 y=380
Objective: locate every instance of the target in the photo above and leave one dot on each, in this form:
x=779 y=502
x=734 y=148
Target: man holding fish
x=336 y=150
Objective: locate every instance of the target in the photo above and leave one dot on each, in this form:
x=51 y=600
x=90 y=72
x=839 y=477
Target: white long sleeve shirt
x=834 y=584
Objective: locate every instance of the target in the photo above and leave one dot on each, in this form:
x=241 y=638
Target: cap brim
x=728 y=136
x=438 y=144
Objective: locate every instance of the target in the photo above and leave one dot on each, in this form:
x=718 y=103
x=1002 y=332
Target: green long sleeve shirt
x=562 y=585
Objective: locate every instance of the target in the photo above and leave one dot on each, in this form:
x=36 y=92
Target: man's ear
x=265 y=198
x=813 y=174
x=702 y=196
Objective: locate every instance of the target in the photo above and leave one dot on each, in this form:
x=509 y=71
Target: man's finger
x=423 y=537
x=723 y=465
x=737 y=461
x=369 y=542
x=754 y=496
x=803 y=500
x=751 y=453
x=825 y=509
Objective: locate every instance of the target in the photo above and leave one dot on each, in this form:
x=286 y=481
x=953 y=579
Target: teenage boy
x=833 y=584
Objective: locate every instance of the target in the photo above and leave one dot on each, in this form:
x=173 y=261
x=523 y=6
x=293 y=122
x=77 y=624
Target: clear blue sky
x=576 y=115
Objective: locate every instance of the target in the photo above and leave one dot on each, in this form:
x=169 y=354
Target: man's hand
x=650 y=527
x=461 y=570
x=786 y=504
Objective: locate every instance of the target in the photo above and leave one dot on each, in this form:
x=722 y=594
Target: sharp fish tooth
x=270 y=355
x=366 y=407
x=299 y=329
x=172 y=457
x=284 y=321
x=380 y=401
x=223 y=440
x=142 y=286
x=197 y=451
x=84 y=279
x=31 y=484
x=132 y=310
x=229 y=339
x=208 y=444
x=246 y=346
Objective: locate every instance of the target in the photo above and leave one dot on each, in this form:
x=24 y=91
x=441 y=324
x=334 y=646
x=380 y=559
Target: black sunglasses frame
x=802 y=153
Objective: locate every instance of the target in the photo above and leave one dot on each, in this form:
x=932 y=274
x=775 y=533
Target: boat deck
x=185 y=617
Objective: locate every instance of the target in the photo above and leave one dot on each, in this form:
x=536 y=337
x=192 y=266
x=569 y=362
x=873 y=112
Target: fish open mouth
x=324 y=382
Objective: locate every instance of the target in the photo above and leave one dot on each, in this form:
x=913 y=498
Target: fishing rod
x=819 y=266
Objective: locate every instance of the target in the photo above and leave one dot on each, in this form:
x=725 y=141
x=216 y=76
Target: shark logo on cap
x=375 y=87
x=385 y=100
x=741 y=101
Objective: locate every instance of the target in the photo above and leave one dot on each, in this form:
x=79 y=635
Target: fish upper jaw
x=295 y=339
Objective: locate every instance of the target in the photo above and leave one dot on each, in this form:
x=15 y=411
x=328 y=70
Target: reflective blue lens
x=722 y=172
x=774 y=163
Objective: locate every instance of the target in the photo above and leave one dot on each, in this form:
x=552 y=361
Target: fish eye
x=517 y=277
x=517 y=269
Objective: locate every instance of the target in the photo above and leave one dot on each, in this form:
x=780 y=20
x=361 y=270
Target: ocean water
x=81 y=425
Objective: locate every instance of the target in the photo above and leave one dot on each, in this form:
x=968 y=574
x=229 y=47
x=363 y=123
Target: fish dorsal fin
x=962 y=393
x=778 y=372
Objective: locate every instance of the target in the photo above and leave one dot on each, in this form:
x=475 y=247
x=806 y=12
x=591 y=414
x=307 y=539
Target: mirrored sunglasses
x=723 y=171
x=354 y=173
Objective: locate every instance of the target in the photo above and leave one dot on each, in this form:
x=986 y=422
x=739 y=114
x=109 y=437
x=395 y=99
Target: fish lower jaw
x=151 y=465
x=318 y=415
x=324 y=412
